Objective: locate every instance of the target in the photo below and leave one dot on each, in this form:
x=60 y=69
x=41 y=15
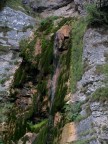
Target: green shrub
x=96 y=16
x=72 y=111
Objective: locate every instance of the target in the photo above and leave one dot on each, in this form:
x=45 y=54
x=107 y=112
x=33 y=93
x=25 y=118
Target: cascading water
x=56 y=67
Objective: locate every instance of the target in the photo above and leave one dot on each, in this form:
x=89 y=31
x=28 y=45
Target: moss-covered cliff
x=60 y=89
x=32 y=88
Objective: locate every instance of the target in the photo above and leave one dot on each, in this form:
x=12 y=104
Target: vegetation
x=78 y=29
x=100 y=94
x=42 y=137
x=37 y=127
x=18 y=5
x=96 y=15
x=15 y=4
x=72 y=111
x=84 y=141
x=102 y=69
x=47 y=24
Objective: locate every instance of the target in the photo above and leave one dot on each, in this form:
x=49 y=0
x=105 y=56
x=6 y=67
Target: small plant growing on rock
x=72 y=111
x=101 y=94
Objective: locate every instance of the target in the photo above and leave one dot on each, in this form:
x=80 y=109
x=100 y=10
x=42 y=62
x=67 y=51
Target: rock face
x=48 y=8
x=93 y=128
x=80 y=5
x=41 y=5
x=14 y=25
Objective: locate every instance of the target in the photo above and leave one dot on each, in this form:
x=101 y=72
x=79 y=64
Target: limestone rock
x=28 y=138
x=41 y=5
x=62 y=34
x=68 y=133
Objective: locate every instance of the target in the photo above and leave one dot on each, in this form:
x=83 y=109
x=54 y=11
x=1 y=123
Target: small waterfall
x=56 y=67
x=56 y=72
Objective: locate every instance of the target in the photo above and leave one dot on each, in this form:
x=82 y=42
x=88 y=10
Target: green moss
x=78 y=29
x=85 y=141
x=18 y=5
x=15 y=127
x=102 y=69
x=27 y=50
x=42 y=89
x=19 y=76
x=42 y=137
x=47 y=24
x=15 y=4
x=100 y=94
x=88 y=132
x=47 y=56
x=37 y=127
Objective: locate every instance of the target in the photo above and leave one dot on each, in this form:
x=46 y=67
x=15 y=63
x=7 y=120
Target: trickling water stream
x=56 y=69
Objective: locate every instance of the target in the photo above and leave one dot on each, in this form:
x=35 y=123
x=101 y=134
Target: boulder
x=69 y=133
x=62 y=34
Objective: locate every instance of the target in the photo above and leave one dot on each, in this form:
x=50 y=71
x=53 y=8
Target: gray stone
x=2 y=41
x=15 y=19
x=94 y=54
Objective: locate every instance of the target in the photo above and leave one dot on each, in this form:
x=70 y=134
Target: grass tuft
x=78 y=30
